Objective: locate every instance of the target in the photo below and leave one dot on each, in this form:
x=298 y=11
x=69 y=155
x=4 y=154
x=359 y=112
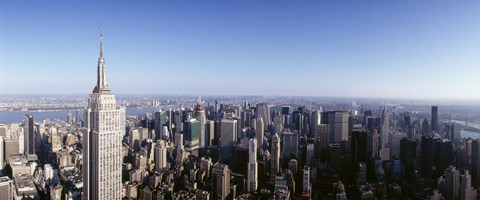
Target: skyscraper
x=426 y=128
x=259 y=129
x=275 y=157
x=407 y=121
x=102 y=145
x=209 y=132
x=69 y=117
x=385 y=131
x=428 y=151
x=435 y=118
x=278 y=122
x=338 y=123
x=263 y=111
x=359 y=147
x=252 y=165
x=315 y=120
x=29 y=137
x=160 y=155
x=201 y=118
x=191 y=133
x=228 y=136
x=408 y=153
x=475 y=162
x=452 y=183
x=290 y=145
x=466 y=184
x=160 y=121
x=220 y=181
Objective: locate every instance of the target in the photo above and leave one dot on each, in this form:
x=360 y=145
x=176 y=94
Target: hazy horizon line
x=240 y=95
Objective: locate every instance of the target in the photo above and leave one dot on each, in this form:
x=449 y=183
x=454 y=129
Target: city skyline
x=398 y=49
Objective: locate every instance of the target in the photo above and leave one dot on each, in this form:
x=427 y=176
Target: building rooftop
x=4 y=179
x=24 y=185
x=16 y=160
x=72 y=175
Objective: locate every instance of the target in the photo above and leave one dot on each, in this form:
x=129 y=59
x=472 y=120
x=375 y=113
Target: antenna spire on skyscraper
x=101 y=39
x=101 y=75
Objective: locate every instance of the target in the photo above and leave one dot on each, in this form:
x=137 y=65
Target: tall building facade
x=228 y=137
x=278 y=123
x=466 y=184
x=191 y=133
x=202 y=119
x=338 y=123
x=452 y=183
x=102 y=145
x=259 y=130
x=315 y=120
x=252 y=165
x=385 y=131
x=275 y=157
x=475 y=162
x=160 y=121
x=263 y=111
x=29 y=137
x=6 y=188
x=290 y=145
x=220 y=181
x=359 y=147
x=209 y=132
x=160 y=156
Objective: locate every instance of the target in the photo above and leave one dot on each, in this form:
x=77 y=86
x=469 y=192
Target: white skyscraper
x=102 y=145
x=160 y=156
x=275 y=157
x=201 y=118
x=252 y=165
x=21 y=141
x=259 y=129
x=278 y=123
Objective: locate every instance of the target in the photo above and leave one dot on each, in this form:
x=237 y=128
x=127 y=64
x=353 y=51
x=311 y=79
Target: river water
x=17 y=116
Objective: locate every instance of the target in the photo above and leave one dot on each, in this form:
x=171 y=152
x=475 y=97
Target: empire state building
x=102 y=143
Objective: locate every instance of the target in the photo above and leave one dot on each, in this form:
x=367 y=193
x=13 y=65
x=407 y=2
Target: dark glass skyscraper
x=29 y=137
x=408 y=154
x=191 y=134
x=475 y=162
x=359 y=147
x=428 y=154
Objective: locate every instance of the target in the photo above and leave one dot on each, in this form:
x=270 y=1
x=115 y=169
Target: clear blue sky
x=385 y=49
